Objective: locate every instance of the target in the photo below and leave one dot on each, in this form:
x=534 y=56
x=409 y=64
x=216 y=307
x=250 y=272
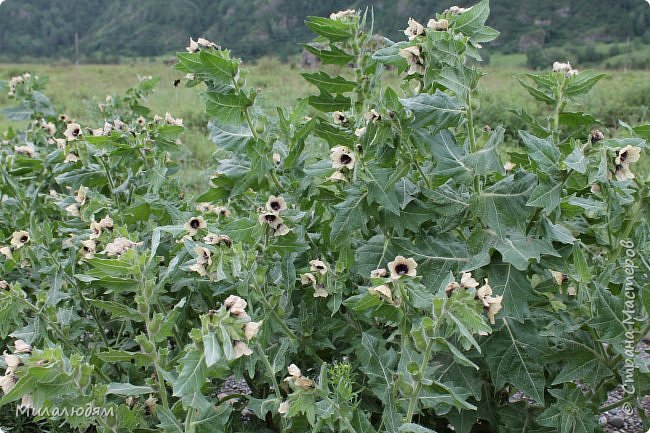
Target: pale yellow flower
x=372 y=115
x=414 y=29
x=72 y=131
x=294 y=371
x=235 y=305
x=60 y=143
x=414 y=59
x=493 y=307
x=402 y=266
x=624 y=173
x=378 y=273
x=451 y=287
x=199 y=268
x=12 y=361
x=308 y=278
x=270 y=218
x=559 y=277
x=241 y=349
x=339 y=117
x=438 y=26
x=120 y=246
x=284 y=407
x=320 y=291
x=22 y=347
x=25 y=150
x=88 y=248
x=466 y=281
x=193 y=47
x=484 y=292
x=338 y=176
x=19 y=238
x=214 y=239
x=509 y=166
x=277 y=158
x=383 y=291
x=141 y=121
x=81 y=195
x=8 y=382
x=203 y=255
x=627 y=155
x=342 y=157
x=251 y=329
x=49 y=127
x=6 y=251
x=342 y=15
x=318 y=266
x=73 y=210
x=276 y=204
x=596 y=136
x=71 y=157
x=194 y=225
x=205 y=207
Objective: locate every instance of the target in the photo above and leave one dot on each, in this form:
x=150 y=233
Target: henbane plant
x=368 y=260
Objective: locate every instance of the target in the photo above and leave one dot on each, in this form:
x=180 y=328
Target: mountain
x=34 y=29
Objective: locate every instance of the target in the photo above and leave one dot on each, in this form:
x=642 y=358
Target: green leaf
x=438 y=110
x=570 y=413
x=472 y=20
x=577 y=161
x=168 y=421
x=414 y=428
x=128 y=389
x=378 y=364
x=515 y=354
x=333 y=56
x=582 y=83
x=460 y=79
x=449 y=156
x=380 y=190
x=193 y=372
x=543 y=151
x=515 y=287
x=211 y=349
x=546 y=195
x=117 y=309
x=327 y=102
x=518 y=249
x=537 y=93
x=349 y=216
x=227 y=107
x=487 y=160
x=502 y=206
x=329 y=84
x=229 y=137
x=334 y=30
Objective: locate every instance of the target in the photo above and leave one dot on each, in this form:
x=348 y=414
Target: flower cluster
x=343 y=15
x=14 y=361
x=236 y=307
x=492 y=304
x=119 y=246
x=296 y=381
x=564 y=68
x=317 y=281
x=399 y=267
x=14 y=82
x=196 y=46
x=270 y=215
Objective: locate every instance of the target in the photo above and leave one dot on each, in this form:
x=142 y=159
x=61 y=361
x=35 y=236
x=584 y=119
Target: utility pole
x=76 y=48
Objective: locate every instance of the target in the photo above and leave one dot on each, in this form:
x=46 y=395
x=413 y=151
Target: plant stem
x=616 y=404
x=274 y=380
x=416 y=393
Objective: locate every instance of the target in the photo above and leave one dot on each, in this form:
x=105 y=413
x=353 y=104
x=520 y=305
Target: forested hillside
x=45 y=28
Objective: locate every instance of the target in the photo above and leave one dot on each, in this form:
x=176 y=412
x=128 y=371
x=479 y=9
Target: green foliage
x=363 y=260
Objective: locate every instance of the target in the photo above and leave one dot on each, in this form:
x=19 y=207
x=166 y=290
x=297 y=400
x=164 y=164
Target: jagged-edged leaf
x=582 y=83
x=546 y=195
x=128 y=389
x=378 y=364
x=439 y=110
x=570 y=413
x=333 y=56
x=449 y=156
x=349 y=215
x=502 y=206
x=577 y=161
x=515 y=354
x=543 y=151
x=380 y=189
x=192 y=375
x=326 y=102
x=229 y=137
x=518 y=249
x=487 y=160
x=227 y=107
x=329 y=84
x=472 y=20
x=513 y=284
x=334 y=30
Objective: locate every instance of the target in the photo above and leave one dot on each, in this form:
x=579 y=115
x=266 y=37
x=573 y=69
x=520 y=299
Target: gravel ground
x=616 y=420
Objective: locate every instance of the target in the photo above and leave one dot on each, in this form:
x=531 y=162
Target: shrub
x=364 y=260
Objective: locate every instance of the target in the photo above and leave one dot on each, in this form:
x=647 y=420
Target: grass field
x=78 y=90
